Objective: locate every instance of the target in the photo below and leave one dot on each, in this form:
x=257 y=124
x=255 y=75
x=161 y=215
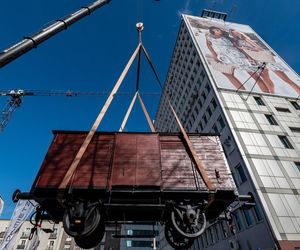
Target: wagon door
x=136 y=161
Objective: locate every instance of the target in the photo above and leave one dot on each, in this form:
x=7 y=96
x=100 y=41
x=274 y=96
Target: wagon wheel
x=175 y=239
x=93 y=239
x=81 y=219
x=188 y=221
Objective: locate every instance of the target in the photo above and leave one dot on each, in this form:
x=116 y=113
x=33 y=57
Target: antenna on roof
x=232 y=10
x=214 y=14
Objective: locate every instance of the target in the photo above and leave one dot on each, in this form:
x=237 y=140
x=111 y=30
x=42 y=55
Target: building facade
x=58 y=239
x=224 y=78
x=125 y=236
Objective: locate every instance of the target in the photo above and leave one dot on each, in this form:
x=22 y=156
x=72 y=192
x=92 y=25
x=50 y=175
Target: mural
x=239 y=59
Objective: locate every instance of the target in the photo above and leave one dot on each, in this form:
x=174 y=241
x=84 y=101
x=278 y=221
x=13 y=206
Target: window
x=224 y=229
x=295 y=105
x=207 y=87
x=221 y=122
x=295 y=130
x=248 y=217
x=297 y=165
x=211 y=234
x=257 y=213
x=136 y=232
x=217 y=232
x=285 y=141
x=138 y=243
x=238 y=221
x=203 y=96
x=208 y=110
x=215 y=129
x=259 y=101
x=271 y=119
x=241 y=173
x=286 y=110
x=204 y=119
x=214 y=104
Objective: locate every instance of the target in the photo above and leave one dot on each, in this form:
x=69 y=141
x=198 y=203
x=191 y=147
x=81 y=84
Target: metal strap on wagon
x=79 y=155
x=96 y=124
x=88 y=139
x=191 y=148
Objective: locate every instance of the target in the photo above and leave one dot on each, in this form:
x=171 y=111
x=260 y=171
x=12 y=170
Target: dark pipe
x=29 y=43
x=18 y=195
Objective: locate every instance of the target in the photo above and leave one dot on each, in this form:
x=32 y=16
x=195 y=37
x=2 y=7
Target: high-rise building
x=57 y=239
x=224 y=78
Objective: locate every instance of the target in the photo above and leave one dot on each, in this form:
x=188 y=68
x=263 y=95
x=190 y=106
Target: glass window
x=221 y=122
x=295 y=130
x=212 y=235
x=214 y=104
x=248 y=217
x=207 y=87
x=285 y=110
x=217 y=232
x=238 y=221
x=285 y=141
x=203 y=96
x=208 y=110
x=257 y=213
x=295 y=105
x=271 y=119
x=241 y=173
x=259 y=101
x=224 y=228
x=204 y=119
x=297 y=165
x=215 y=129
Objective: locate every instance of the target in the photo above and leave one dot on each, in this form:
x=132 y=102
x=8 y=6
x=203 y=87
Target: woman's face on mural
x=235 y=33
x=217 y=32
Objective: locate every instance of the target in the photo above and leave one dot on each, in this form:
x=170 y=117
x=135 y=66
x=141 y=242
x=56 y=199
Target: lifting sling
x=140 y=48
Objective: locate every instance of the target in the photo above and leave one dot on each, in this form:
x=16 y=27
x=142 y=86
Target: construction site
x=147 y=125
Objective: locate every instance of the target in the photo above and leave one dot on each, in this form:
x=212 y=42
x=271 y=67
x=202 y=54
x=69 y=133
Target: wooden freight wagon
x=133 y=177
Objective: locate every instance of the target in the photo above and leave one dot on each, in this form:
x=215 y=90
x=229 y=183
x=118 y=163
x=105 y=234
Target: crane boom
x=30 y=42
x=16 y=97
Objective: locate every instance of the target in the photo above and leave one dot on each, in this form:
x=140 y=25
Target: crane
x=16 y=96
x=30 y=42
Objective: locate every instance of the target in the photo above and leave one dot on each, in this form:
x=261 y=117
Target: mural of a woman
x=226 y=58
x=256 y=52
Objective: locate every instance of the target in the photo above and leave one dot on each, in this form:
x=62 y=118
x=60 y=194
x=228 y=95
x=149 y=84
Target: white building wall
x=270 y=170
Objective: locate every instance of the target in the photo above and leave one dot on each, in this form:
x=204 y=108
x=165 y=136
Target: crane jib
x=30 y=42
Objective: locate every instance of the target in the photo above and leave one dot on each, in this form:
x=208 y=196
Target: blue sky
x=90 y=56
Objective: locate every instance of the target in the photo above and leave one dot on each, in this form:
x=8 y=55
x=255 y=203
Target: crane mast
x=30 y=42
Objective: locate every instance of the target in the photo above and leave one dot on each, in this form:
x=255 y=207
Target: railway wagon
x=134 y=177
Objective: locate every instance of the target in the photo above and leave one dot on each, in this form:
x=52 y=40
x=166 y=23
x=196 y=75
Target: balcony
x=21 y=247
x=50 y=248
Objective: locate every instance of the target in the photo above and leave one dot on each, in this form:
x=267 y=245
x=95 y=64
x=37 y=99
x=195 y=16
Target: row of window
x=260 y=102
x=240 y=176
x=272 y=121
x=241 y=219
x=196 y=106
